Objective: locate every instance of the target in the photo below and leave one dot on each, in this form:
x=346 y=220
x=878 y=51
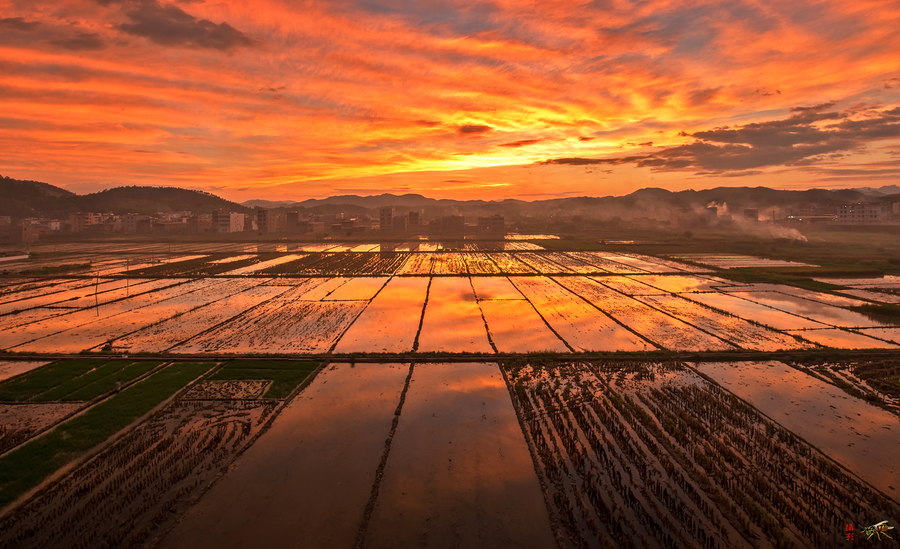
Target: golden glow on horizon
x=279 y=100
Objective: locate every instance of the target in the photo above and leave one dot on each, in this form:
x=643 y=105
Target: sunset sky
x=506 y=99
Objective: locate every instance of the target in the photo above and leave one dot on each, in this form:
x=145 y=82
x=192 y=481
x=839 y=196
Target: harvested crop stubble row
x=685 y=283
x=164 y=335
x=646 y=264
x=416 y=264
x=448 y=264
x=541 y=263
x=92 y=334
x=628 y=285
x=39 y=297
x=599 y=261
x=653 y=455
x=841 y=339
x=262 y=266
x=295 y=327
x=508 y=264
x=480 y=263
x=74 y=297
x=820 y=312
x=855 y=433
x=571 y=263
x=749 y=310
x=145 y=479
x=29 y=464
x=31 y=331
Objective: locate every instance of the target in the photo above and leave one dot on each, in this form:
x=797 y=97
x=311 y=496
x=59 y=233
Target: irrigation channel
x=663 y=449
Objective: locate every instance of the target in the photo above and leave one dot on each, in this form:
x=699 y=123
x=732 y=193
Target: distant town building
x=295 y=223
x=412 y=220
x=386 y=219
x=227 y=222
x=399 y=224
x=265 y=220
x=492 y=224
x=19 y=233
x=82 y=221
x=453 y=224
x=200 y=223
x=863 y=213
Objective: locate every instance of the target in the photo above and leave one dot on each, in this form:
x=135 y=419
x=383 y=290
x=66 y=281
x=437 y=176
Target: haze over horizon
x=293 y=100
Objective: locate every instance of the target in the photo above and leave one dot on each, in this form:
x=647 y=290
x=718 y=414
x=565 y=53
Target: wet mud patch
x=20 y=422
x=217 y=390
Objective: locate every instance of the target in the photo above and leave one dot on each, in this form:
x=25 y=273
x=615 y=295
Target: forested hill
x=36 y=199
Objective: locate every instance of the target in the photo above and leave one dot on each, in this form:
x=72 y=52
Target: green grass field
x=75 y=379
x=28 y=465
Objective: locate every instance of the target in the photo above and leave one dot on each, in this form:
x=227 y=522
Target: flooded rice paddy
x=529 y=444
x=366 y=301
x=508 y=454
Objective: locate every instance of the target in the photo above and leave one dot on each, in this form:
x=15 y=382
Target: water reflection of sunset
x=855 y=433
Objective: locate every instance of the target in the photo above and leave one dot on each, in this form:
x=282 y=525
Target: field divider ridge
x=379 y=473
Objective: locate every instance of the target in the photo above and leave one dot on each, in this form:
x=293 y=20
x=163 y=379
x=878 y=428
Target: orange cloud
x=242 y=94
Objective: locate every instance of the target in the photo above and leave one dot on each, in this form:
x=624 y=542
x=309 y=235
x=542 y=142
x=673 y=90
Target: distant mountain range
x=36 y=199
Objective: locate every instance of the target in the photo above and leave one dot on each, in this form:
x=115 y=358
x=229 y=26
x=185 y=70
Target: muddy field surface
x=145 y=479
x=229 y=390
x=88 y=335
x=459 y=473
x=20 y=422
x=655 y=456
x=307 y=481
x=168 y=333
x=294 y=327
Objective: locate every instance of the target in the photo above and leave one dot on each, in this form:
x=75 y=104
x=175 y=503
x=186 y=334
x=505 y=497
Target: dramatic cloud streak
x=261 y=94
x=811 y=135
